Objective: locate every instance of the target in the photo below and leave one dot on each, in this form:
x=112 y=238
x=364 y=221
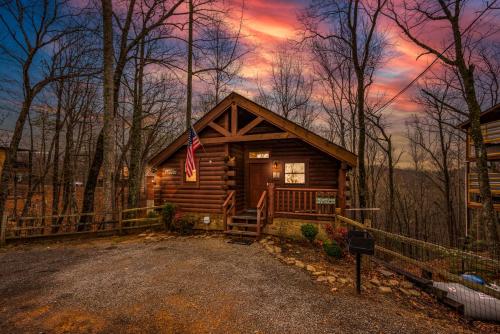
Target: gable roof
x=284 y=124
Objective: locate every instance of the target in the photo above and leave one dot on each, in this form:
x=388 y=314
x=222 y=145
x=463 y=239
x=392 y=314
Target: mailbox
x=360 y=242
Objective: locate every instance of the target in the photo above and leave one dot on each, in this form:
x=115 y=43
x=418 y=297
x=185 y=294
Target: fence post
x=3 y=228
x=120 y=221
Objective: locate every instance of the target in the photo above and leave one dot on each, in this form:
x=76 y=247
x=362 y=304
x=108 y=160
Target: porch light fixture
x=276 y=170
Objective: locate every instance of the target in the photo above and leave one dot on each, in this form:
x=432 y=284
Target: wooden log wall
x=321 y=169
x=237 y=151
x=206 y=195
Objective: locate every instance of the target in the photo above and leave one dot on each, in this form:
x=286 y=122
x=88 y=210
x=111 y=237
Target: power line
x=402 y=91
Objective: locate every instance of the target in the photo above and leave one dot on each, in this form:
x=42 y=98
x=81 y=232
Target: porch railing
x=261 y=211
x=304 y=201
x=229 y=208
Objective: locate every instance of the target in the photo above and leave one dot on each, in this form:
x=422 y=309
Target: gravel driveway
x=179 y=285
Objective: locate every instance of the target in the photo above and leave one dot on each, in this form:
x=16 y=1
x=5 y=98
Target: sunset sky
x=270 y=23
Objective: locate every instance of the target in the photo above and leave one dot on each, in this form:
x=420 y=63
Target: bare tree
x=415 y=18
x=154 y=18
x=289 y=90
x=221 y=51
x=354 y=25
x=32 y=28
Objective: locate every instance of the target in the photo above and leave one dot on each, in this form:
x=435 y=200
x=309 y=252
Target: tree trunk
x=91 y=184
x=189 y=95
x=134 y=181
x=108 y=126
x=12 y=152
x=489 y=216
x=55 y=167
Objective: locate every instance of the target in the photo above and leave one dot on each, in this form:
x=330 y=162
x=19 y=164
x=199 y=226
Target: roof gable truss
x=227 y=126
x=223 y=119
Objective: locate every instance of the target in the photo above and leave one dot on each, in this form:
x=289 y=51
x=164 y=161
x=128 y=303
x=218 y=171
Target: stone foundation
x=281 y=227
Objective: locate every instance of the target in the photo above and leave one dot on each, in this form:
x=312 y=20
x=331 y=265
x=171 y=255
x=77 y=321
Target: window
x=295 y=173
x=193 y=177
x=258 y=155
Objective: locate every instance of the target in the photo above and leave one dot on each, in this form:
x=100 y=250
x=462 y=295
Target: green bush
x=168 y=214
x=152 y=214
x=184 y=224
x=309 y=231
x=332 y=249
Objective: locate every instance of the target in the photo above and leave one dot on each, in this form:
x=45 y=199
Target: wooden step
x=235 y=232
x=245 y=217
x=241 y=225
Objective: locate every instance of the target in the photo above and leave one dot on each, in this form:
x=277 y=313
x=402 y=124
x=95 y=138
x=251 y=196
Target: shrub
x=339 y=235
x=332 y=249
x=309 y=231
x=184 y=223
x=152 y=214
x=168 y=214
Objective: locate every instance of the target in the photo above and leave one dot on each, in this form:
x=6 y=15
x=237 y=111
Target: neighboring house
x=254 y=166
x=490 y=124
x=18 y=186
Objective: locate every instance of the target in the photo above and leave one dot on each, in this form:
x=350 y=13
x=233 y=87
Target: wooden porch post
x=271 y=201
x=341 y=187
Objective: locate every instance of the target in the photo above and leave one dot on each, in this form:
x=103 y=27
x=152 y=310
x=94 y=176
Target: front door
x=258 y=176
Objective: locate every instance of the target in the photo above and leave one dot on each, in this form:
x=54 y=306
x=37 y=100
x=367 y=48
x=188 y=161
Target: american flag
x=192 y=146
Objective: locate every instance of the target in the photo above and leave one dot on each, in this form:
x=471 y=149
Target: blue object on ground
x=473 y=278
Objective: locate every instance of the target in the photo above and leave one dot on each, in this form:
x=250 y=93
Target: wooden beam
x=226 y=121
x=182 y=139
x=234 y=119
x=287 y=125
x=219 y=129
x=250 y=126
x=263 y=136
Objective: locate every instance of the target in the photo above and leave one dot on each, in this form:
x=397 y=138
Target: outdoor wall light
x=276 y=170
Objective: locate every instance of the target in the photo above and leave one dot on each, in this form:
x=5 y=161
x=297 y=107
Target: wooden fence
x=443 y=263
x=79 y=223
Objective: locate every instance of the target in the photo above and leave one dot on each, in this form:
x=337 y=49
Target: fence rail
x=443 y=263
x=15 y=228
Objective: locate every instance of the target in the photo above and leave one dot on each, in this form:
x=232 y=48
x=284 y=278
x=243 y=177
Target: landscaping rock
x=405 y=291
x=406 y=285
x=310 y=268
x=321 y=279
x=414 y=293
x=375 y=281
x=334 y=289
x=385 y=273
x=300 y=264
x=392 y=282
x=319 y=273
x=342 y=280
x=384 y=289
x=331 y=279
x=270 y=249
x=277 y=249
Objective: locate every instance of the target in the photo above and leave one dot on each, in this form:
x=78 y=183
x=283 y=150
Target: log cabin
x=490 y=125
x=253 y=166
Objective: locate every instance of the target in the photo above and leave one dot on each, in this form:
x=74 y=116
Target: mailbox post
x=360 y=242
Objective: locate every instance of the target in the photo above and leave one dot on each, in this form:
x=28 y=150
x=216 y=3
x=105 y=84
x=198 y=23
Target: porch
x=280 y=202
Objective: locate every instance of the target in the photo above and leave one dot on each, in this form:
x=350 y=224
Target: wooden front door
x=258 y=176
